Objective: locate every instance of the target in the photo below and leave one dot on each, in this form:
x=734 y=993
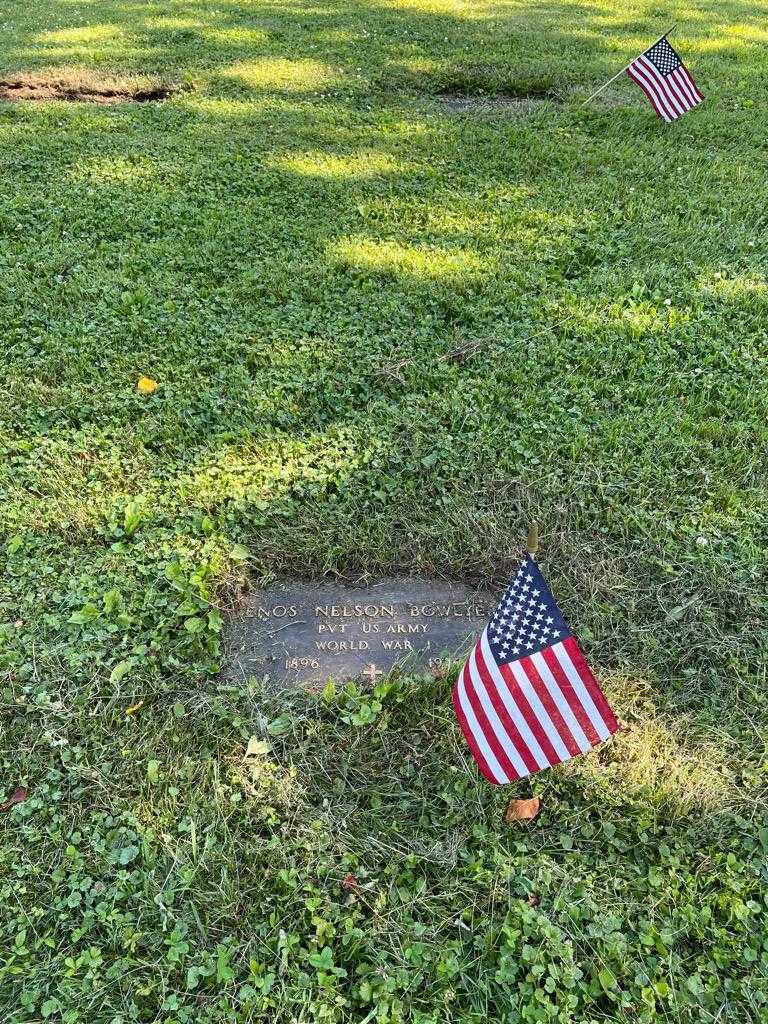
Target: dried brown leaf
x=18 y=796
x=521 y=810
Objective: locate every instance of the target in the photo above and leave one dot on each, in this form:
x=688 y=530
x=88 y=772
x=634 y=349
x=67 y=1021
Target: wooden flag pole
x=524 y=810
x=605 y=86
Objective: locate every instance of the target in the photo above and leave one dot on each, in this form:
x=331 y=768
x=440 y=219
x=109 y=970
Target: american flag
x=526 y=699
x=665 y=80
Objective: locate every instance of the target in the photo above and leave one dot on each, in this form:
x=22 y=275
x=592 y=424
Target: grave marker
x=303 y=634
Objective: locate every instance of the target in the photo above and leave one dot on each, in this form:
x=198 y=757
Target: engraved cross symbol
x=372 y=672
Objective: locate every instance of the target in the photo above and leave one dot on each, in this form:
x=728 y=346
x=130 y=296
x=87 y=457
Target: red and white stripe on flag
x=522 y=712
x=665 y=80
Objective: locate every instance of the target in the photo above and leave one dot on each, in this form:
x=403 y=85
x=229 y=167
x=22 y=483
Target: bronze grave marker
x=303 y=634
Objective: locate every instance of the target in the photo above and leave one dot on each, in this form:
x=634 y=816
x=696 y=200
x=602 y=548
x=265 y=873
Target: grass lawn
x=389 y=328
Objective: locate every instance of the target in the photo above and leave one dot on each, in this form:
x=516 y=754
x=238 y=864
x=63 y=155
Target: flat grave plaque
x=303 y=634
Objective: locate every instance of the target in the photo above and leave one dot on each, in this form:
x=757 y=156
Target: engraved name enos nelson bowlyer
x=303 y=634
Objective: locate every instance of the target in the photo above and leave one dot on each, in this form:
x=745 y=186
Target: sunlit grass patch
x=101 y=170
x=463 y=9
x=362 y=163
x=74 y=489
x=280 y=469
x=424 y=262
x=665 y=760
x=749 y=287
x=278 y=74
x=177 y=23
x=81 y=34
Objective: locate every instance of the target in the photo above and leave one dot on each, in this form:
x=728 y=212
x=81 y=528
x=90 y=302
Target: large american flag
x=665 y=80
x=526 y=699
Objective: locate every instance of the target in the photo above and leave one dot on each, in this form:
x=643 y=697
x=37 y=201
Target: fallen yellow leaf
x=134 y=708
x=146 y=385
x=257 y=747
x=521 y=810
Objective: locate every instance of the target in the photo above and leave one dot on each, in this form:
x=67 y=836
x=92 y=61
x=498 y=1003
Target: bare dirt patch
x=84 y=87
x=490 y=104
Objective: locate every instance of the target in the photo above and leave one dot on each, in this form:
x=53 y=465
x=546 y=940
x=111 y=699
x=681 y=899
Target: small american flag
x=526 y=699
x=665 y=80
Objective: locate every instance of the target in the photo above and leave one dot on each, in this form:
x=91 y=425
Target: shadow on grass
x=390 y=46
